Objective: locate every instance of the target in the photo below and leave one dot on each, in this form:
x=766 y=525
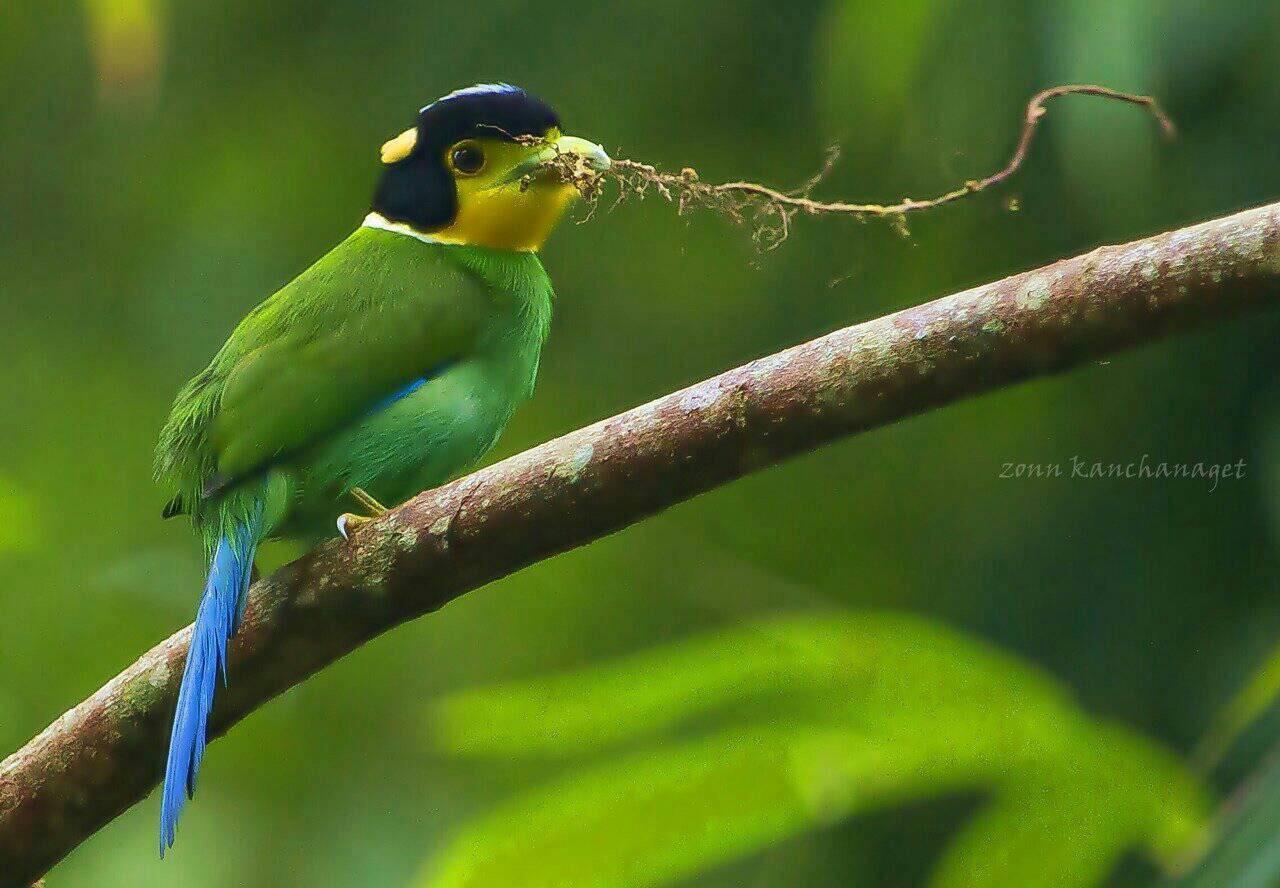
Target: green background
x=163 y=167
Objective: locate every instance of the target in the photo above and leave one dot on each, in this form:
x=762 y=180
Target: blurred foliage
x=1246 y=852
x=127 y=40
x=1243 y=710
x=169 y=163
x=850 y=714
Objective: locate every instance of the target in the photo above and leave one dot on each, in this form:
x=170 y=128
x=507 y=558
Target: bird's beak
x=592 y=154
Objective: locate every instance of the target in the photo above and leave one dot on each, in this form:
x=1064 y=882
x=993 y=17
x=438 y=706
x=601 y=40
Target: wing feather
x=361 y=324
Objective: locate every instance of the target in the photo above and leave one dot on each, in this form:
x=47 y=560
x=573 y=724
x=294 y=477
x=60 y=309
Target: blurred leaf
x=872 y=661
x=1070 y=832
x=1246 y=852
x=899 y=709
x=866 y=665
x=648 y=819
x=127 y=40
x=1257 y=695
x=1054 y=839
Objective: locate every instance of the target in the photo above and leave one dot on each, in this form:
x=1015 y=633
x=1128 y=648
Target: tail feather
x=216 y=621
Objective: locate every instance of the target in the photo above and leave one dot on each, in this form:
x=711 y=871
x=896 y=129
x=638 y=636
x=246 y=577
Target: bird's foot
x=371 y=505
x=348 y=521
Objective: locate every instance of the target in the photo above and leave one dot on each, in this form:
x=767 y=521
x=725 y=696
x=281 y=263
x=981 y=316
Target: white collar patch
x=377 y=220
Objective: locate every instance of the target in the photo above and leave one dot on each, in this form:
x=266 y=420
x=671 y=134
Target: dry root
x=769 y=212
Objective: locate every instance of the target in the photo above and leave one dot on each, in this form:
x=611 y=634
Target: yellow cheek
x=507 y=218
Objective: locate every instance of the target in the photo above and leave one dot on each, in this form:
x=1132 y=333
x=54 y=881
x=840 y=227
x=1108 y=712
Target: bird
x=386 y=368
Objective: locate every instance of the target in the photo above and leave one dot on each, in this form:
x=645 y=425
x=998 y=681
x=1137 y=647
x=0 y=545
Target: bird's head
x=467 y=173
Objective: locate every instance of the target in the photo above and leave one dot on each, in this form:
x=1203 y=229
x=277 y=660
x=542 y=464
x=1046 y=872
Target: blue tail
x=216 y=621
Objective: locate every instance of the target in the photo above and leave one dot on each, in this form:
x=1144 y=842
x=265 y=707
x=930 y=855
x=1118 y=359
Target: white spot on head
x=480 y=89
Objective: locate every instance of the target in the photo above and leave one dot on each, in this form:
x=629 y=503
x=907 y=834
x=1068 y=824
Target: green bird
x=388 y=366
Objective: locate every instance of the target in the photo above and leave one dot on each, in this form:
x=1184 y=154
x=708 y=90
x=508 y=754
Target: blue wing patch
x=217 y=482
x=410 y=388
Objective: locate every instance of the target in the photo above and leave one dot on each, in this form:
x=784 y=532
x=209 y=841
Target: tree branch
x=107 y=753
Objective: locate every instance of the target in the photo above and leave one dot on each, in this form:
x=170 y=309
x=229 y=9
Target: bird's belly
x=417 y=442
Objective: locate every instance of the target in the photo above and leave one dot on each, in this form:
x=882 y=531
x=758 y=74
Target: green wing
x=361 y=324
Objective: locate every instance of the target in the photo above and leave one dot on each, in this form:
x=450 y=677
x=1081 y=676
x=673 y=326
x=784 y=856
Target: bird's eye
x=467 y=158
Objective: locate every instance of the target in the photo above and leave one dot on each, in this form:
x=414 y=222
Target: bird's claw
x=348 y=522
